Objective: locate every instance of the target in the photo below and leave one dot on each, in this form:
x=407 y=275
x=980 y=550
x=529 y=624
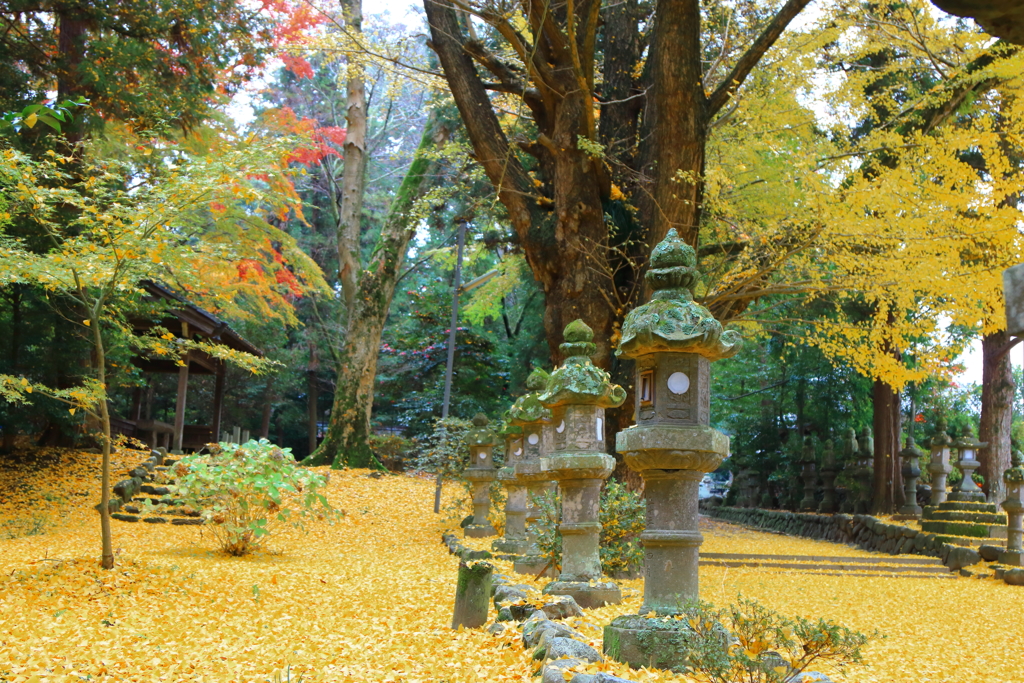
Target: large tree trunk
x=346 y=441
x=353 y=177
x=558 y=208
x=997 y=389
x=887 y=447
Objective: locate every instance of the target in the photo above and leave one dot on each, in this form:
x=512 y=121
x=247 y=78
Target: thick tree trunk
x=997 y=389
x=353 y=178
x=675 y=128
x=346 y=441
x=887 y=447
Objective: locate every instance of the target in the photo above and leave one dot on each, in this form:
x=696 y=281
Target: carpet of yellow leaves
x=369 y=598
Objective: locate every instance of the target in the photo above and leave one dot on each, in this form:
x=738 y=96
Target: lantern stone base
x=967 y=497
x=587 y=595
x=653 y=642
x=512 y=546
x=534 y=565
x=1012 y=557
x=480 y=531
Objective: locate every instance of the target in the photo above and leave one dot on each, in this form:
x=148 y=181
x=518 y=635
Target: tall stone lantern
x=911 y=471
x=533 y=418
x=1014 y=506
x=939 y=466
x=864 y=470
x=577 y=394
x=829 y=470
x=968 y=491
x=514 y=542
x=809 y=475
x=850 y=450
x=480 y=473
x=673 y=340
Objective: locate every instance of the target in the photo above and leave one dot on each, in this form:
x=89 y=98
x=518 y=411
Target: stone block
x=554 y=672
x=638 y=641
x=990 y=553
x=480 y=531
x=1014 y=577
x=559 y=647
x=587 y=595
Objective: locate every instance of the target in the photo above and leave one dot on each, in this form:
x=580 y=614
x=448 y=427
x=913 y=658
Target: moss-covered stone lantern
x=809 y=475
x=480 y=473
x=513 y=543
x=532 y=417
x=577 y=395
x=673 y=340
x=968 y=491
x=829 y=470
x=850 y=450
x=911 y=471
x=1014 y=506
x=864 y=471
x=939 y=466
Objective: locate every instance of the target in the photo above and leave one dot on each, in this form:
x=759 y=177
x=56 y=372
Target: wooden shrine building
x=187 y=321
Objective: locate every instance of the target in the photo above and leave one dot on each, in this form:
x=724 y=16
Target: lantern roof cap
x=528 y=408
x=672 y=320
x=577 y=379
x=480 y=434
x=912 y=450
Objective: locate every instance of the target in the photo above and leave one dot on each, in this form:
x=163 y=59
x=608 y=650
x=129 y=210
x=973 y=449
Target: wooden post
x=472 y=595
x=136 y=404
x=179 y=406
x=218 y=399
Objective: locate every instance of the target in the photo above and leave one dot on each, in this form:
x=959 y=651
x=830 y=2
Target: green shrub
x=622 y=522
x=623 y=514
x=244 y=490
x=445 y=449
x=387 y=448
x=750 y=642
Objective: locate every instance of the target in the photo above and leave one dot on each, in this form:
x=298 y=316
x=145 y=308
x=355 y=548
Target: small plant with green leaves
x=749 y=642
x=622 y=522
x=244 y=490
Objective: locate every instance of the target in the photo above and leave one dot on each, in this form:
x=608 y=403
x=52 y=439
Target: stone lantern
x=577 y=394
x=480 y=474
x=810 y=476
x=533 y=418
x=850 y=451
x=829 y=470
x=514 y=542
x=1014 y=506
x=911 y=456
x=673 y=340
x=968 y=491
x=939 y=466
x=864 y=470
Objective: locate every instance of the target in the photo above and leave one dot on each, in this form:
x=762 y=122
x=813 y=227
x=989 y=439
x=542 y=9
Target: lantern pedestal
x=1014 y=506
x=537 y=484
x=514 y=542
x=480 y=479
x=672 y=461
x=579 y=478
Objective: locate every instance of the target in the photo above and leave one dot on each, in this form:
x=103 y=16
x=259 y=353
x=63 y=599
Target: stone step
x=156 y=519
x=882 y=559
x=847 y=569
x=966 y=541
x=960 y=516
x=962 y=506
x=969 y=529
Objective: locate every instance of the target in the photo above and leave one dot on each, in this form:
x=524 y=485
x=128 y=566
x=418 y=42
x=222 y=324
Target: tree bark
x=887 y=447
x=997 y=390
x=348 y=431
x=353 y=177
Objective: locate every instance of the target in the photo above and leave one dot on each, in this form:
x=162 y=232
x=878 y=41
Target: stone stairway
x=897 y=567
x=149 y=482
x=964 y=523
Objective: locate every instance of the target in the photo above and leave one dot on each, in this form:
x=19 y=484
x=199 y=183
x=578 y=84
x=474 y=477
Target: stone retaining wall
x=865 y=531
